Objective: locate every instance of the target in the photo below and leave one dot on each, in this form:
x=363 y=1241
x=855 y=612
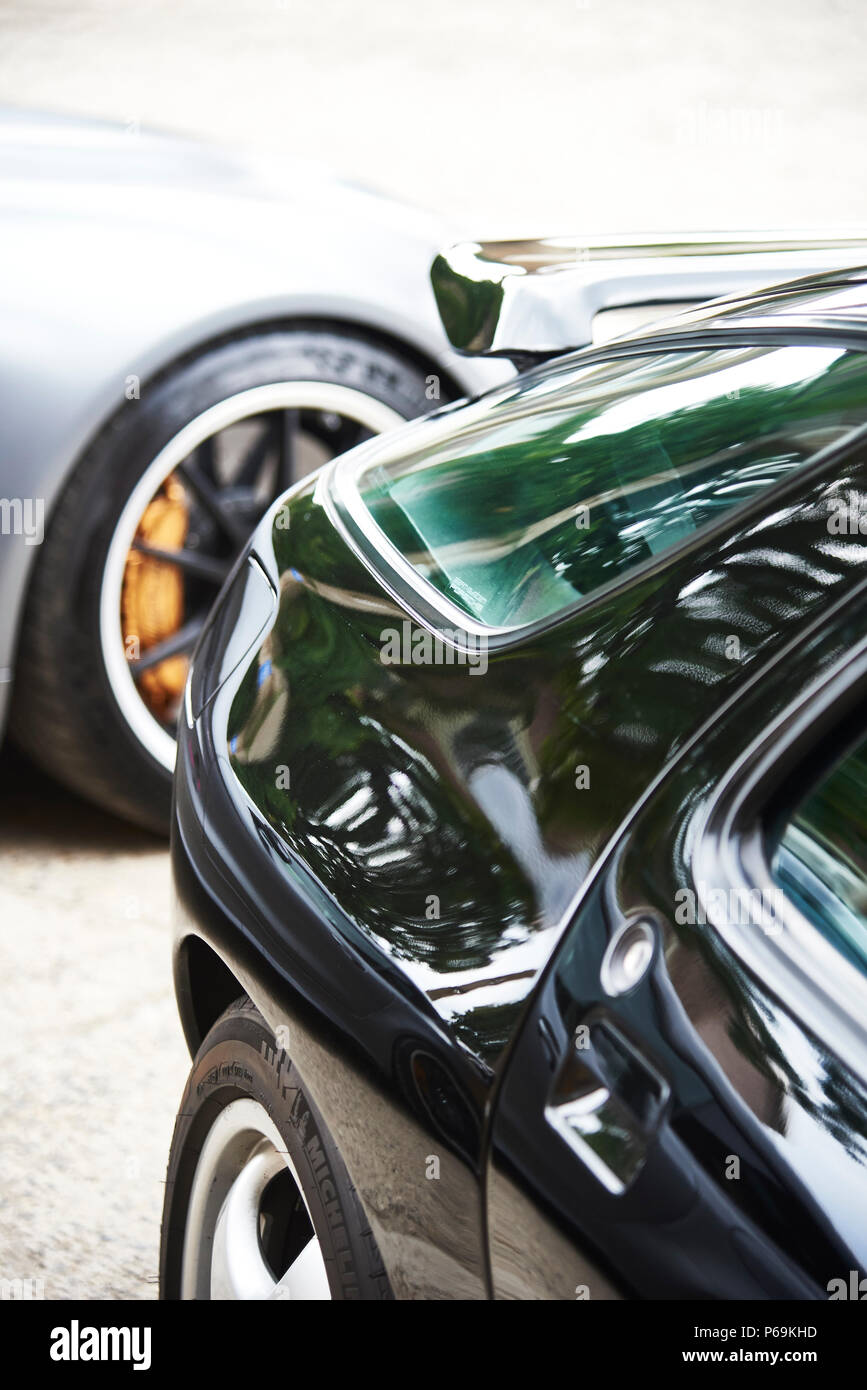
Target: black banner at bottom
x=646 y=1339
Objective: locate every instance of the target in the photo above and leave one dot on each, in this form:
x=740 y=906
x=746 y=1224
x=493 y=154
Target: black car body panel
x=748 y=1079
x=394 y=861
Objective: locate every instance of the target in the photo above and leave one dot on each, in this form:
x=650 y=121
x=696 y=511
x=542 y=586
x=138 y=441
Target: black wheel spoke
x=191 y=561
x=248 y=473
x=181 y=641
x=288 y=435
x=208 y=494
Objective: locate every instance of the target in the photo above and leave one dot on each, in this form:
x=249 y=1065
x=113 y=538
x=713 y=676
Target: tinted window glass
x=571 y=478
x=821 y=861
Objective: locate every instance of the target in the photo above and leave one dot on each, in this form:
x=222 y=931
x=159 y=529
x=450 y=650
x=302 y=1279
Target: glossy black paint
x=748 y=1077
x=443 y=1036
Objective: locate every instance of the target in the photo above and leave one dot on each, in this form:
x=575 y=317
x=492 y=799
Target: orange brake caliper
x=152 y=599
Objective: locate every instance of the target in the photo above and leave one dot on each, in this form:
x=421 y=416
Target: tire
x=74 y=708
x=239 y=1061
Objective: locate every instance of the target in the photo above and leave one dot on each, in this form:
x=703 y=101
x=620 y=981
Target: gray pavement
x=93 y=1058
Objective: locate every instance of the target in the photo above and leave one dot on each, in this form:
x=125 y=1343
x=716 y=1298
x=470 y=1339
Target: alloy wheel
x=188 y=517
x=249 y=1233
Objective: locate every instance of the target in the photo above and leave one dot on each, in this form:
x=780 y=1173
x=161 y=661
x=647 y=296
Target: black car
x=520 y=842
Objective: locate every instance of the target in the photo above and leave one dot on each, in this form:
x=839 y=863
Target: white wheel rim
x=289 y=395
x=222 y=1256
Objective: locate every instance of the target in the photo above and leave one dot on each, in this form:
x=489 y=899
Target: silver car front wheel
x=147 y=528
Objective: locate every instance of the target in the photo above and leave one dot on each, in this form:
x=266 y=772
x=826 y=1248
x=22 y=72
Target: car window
x=575 y=475
x=821 y=860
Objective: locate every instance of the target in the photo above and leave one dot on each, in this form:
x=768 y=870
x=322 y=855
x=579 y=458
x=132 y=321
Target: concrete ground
x=556 y=116
x=94 y=1061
